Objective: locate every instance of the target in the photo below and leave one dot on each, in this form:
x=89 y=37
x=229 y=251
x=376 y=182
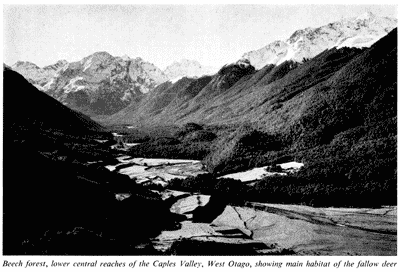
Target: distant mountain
x=187 y=68
x=306 y=43
x=98 y=84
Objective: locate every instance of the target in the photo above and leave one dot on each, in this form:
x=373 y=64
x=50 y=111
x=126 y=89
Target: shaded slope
x=162 y=101
x=53 y=201
x=239 y=95
x=336 y=113
x=158 y=99
x=363 y=92
x=190 y=98
x=336 y=91
x=33 y=109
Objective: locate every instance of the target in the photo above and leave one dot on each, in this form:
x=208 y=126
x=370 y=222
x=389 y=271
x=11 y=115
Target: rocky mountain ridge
x=101 y=84
x=304 y=44
x=98 y=84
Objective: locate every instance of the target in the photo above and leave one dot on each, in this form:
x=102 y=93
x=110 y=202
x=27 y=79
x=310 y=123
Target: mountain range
x=101 y=84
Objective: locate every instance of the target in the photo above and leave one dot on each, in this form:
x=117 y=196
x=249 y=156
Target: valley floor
x=289 y=229
x=261 y=228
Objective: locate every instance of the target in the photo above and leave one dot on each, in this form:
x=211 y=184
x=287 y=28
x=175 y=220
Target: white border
x=177 y=259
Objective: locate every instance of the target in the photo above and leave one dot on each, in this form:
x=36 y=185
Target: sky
x=161 y=34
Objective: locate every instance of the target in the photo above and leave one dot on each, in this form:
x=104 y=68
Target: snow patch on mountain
x=73 y=86
x=174 y=80
x=358 y=42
